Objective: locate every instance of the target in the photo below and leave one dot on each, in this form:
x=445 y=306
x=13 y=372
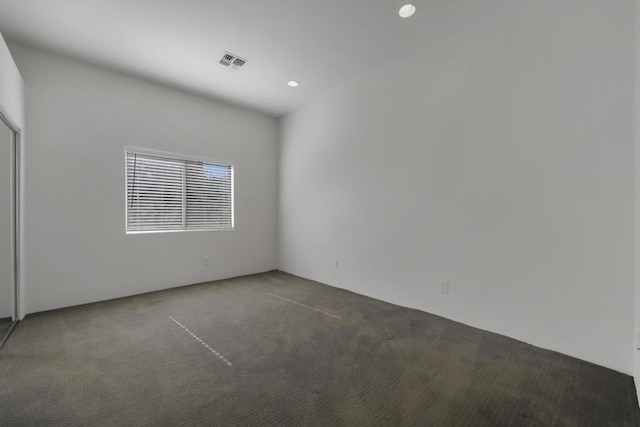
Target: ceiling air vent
x=237 y=63
x=229 y=59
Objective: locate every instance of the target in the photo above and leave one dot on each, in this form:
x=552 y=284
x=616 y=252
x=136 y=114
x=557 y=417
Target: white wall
x=12 y=106
x=500 y=157
x=11 y=87
x=80 y=119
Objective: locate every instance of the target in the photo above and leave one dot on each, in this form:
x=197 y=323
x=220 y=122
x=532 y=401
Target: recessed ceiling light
x=293 y=83
x=407 y=11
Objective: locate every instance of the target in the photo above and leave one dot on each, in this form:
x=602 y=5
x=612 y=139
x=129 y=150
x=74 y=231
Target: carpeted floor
x=4 y=325
x=274 y=349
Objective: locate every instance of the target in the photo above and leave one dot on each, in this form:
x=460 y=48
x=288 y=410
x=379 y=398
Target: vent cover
x=229 y=59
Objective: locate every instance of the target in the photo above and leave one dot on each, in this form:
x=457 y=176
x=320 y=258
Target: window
x=169 y=193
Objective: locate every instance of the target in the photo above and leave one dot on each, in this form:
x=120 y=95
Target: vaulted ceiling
x=323 y=44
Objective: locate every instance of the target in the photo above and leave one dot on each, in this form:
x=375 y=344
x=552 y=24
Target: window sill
x=177 y=231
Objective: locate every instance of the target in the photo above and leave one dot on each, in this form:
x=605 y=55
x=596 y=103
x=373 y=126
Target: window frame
x=178 y=157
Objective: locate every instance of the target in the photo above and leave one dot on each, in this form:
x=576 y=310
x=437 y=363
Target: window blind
x=165 y=193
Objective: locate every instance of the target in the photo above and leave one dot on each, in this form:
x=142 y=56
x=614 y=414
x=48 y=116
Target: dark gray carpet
x=4 y=324
x=4 y=327
x=359 y=362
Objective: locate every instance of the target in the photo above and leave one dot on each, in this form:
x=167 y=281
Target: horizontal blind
x=209 y=196
x=154 y=193
x=166 y=193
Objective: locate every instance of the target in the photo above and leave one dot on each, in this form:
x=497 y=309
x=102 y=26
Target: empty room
x=319 y=213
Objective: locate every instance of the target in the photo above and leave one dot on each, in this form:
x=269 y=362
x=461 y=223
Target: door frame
x=16 y=260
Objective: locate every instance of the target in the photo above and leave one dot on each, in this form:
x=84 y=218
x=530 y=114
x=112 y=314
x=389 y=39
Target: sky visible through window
x=212 y=170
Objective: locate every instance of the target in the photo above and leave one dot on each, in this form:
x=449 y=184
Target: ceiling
x=321 y=43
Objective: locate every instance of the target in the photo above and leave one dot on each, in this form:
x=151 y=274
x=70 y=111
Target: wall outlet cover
x=444 y=286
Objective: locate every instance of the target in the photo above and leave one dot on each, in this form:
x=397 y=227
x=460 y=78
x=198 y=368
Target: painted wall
x=80 y=120
x=11 y=87
x=500 y=158
x=12 y=106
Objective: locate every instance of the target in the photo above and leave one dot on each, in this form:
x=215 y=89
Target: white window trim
x=173 y=155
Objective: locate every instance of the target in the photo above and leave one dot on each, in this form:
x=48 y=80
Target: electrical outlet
x=444 y=286
x=205 y=261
